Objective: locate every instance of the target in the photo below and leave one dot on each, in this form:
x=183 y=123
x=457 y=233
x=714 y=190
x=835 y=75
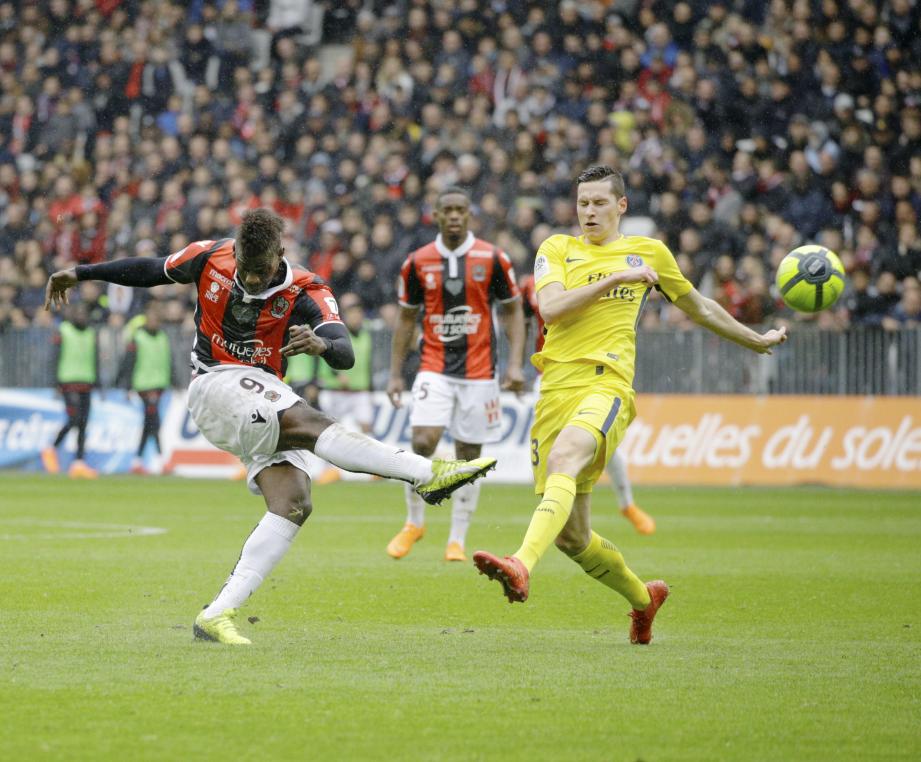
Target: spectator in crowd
x=907 y=312
x=729 y=118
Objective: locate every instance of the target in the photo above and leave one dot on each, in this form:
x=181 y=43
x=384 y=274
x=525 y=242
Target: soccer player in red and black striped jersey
x=255 y=310
x=455 y=281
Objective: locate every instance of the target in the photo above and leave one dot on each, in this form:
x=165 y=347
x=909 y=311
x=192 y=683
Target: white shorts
x=236 y=409
x=347 y=406
x=470 y=410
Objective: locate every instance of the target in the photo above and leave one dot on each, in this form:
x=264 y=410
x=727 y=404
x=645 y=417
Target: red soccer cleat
x=641 y=628
x=510 y=571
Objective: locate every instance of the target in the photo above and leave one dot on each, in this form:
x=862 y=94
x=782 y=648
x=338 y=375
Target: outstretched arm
x=142 y=272
x=402 y=335
x=709 y=314
x=511 y=316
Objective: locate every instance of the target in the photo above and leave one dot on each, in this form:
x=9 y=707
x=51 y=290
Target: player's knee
x=300 y=509
x=424 y=444
x=467 y=451
x=572 y=542
x=296 y=509
x=563 y=462
x=300 y=427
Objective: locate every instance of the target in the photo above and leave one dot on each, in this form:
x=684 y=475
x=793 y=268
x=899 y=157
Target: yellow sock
x=602 y=561
x=548 y=519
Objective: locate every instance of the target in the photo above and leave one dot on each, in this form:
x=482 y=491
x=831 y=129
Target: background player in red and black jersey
x=455 y=282
x=255 y=309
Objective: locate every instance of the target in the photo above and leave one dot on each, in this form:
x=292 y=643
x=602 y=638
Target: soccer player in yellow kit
x=590 y=291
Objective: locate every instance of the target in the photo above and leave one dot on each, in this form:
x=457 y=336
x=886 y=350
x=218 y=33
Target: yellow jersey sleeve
x=549 y=264
x=672 y=282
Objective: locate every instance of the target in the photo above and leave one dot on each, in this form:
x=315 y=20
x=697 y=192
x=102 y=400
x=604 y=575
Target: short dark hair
x=260 y=234
x=602 y=172
x=450 y=191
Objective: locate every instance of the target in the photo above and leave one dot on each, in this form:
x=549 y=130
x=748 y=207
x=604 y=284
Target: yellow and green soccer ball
x=810 y=278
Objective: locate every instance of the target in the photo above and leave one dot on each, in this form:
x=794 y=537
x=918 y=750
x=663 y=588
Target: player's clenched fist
x=395 y=388
x=303 y=341
x=641 y=274
x=56 y=290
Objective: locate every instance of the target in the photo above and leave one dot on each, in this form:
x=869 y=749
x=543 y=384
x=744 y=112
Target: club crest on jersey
x=634 y=261
x=541 y=267
x=279 y=307
x=212 y=293
x=272 y=396
x=478 y=273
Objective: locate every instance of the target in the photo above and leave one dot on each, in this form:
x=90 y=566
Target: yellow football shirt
x=600 y=339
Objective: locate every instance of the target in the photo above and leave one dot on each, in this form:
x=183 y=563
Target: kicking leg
x=572 y=451
x=303 y=428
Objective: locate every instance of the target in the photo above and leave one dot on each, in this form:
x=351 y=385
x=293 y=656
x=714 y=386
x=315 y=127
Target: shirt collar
x=285 y=283
x=452 y=254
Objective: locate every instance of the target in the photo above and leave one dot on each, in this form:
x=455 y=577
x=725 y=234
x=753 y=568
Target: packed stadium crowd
x=130 y=128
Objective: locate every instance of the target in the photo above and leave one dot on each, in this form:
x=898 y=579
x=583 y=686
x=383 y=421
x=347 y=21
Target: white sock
x=264 y=548
x=463 y=505
x=617 y=470
x=356 y=452
x=415 y=507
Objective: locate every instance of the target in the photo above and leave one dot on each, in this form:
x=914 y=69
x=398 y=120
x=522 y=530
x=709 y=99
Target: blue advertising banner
x=31 y=418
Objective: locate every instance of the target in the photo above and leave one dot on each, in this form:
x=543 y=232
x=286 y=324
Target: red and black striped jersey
x=531 y=306
x=237 y=328
x=456 y=290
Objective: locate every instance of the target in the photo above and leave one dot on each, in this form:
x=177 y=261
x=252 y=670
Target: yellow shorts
x=604 y=410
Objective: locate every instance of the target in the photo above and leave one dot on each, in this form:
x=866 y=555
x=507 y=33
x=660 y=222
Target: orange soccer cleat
x=455 y=552
x=330 y=475
x=79 y=470
x=641 y=627
x=404 y=540
x=510 y=571
x=50 y=460
x=642 y=521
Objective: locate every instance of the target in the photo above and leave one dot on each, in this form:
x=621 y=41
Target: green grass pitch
x=792 y=632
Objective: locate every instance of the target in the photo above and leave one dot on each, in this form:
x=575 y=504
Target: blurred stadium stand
x=128 y=128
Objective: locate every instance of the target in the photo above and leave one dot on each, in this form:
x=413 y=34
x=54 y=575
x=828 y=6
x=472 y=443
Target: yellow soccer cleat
x=50 y=460
x=219 y=629
x=455 y=552
x=450 y=475
x=642 y=521
x=408 y=536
